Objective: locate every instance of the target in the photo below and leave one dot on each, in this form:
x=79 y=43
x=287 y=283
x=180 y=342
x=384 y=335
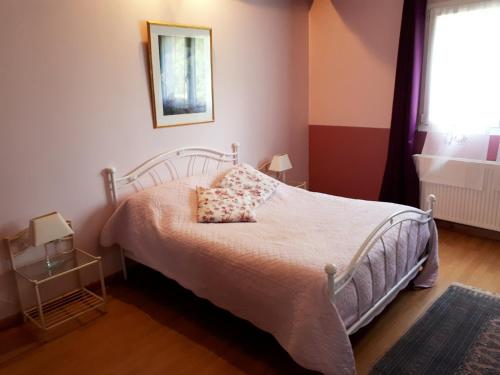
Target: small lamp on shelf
x=280 y=164
x=47 y=229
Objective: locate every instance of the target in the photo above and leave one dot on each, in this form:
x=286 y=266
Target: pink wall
x=353 y=46
x=74 y=98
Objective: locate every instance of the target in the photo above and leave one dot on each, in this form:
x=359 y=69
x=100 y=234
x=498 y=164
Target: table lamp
x=47 y=229
x=280 y=164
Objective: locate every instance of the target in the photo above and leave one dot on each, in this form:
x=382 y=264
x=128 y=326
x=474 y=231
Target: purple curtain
x=400 y=184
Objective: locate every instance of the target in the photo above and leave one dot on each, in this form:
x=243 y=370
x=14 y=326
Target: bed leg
x=431 y=202
x=331 y=271
x=124 y=264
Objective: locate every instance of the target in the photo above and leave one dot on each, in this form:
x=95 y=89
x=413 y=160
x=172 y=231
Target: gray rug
x=459 y=334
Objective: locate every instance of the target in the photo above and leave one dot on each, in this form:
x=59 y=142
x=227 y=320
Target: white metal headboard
x=199 y=160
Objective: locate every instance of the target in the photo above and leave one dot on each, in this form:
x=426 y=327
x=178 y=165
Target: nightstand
x=264 y=168
x=53 y=295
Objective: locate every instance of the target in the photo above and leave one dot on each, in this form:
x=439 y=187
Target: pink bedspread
x=272 y=272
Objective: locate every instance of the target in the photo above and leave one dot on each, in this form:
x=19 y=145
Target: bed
x=311 y=271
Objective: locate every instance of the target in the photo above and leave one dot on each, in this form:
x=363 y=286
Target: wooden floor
x=153 y=326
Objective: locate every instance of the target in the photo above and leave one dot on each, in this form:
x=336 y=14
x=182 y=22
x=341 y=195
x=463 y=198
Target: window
x=461 y=80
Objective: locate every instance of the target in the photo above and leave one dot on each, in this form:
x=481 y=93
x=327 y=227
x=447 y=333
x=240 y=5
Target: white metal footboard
x=337 y=282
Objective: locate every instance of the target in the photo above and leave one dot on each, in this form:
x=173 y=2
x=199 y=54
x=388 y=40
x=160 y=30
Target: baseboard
x=17 y=319
x=469 y=230
x=109 y=280
x=11 y=321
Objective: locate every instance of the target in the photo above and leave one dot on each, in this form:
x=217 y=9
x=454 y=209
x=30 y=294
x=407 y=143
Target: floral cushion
x=259 y=185
x=224 y=205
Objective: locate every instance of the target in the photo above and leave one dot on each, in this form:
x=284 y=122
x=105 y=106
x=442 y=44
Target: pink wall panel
x=347 y=161
x=493 y=147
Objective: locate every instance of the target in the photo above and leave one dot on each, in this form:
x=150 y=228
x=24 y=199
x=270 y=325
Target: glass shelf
x=299 y=184
x=68 y=261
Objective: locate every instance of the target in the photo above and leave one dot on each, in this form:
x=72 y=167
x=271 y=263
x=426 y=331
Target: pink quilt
x=272 y=272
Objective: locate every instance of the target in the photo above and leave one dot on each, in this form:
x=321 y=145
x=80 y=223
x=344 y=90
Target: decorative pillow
x=224 y=205
x=259 y=185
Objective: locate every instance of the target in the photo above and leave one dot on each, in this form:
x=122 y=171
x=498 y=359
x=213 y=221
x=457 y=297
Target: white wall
x=74 y=98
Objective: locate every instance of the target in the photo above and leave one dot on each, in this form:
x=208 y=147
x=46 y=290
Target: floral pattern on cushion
x=257 y=184
x=224 y=205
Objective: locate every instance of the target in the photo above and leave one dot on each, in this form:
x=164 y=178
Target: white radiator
x=467 y=191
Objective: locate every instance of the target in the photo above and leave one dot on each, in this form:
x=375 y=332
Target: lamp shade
x=47 y=228
x=280 y=163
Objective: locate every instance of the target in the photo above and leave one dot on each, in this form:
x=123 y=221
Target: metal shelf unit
x=49 y=313
x=64 y=308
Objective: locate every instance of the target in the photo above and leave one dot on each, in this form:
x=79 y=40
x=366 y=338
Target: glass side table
x=299 y=184
x=52 y=304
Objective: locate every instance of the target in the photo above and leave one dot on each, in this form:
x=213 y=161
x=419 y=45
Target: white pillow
x=257 y=184
x=224 y=205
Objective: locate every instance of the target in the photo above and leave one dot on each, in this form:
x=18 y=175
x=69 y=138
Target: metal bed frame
x=149 y=174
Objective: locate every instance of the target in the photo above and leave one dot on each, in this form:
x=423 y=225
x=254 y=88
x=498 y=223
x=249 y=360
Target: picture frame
x=181 y=74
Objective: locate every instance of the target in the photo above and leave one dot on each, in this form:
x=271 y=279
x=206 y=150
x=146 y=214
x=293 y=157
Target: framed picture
x=181 y=74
